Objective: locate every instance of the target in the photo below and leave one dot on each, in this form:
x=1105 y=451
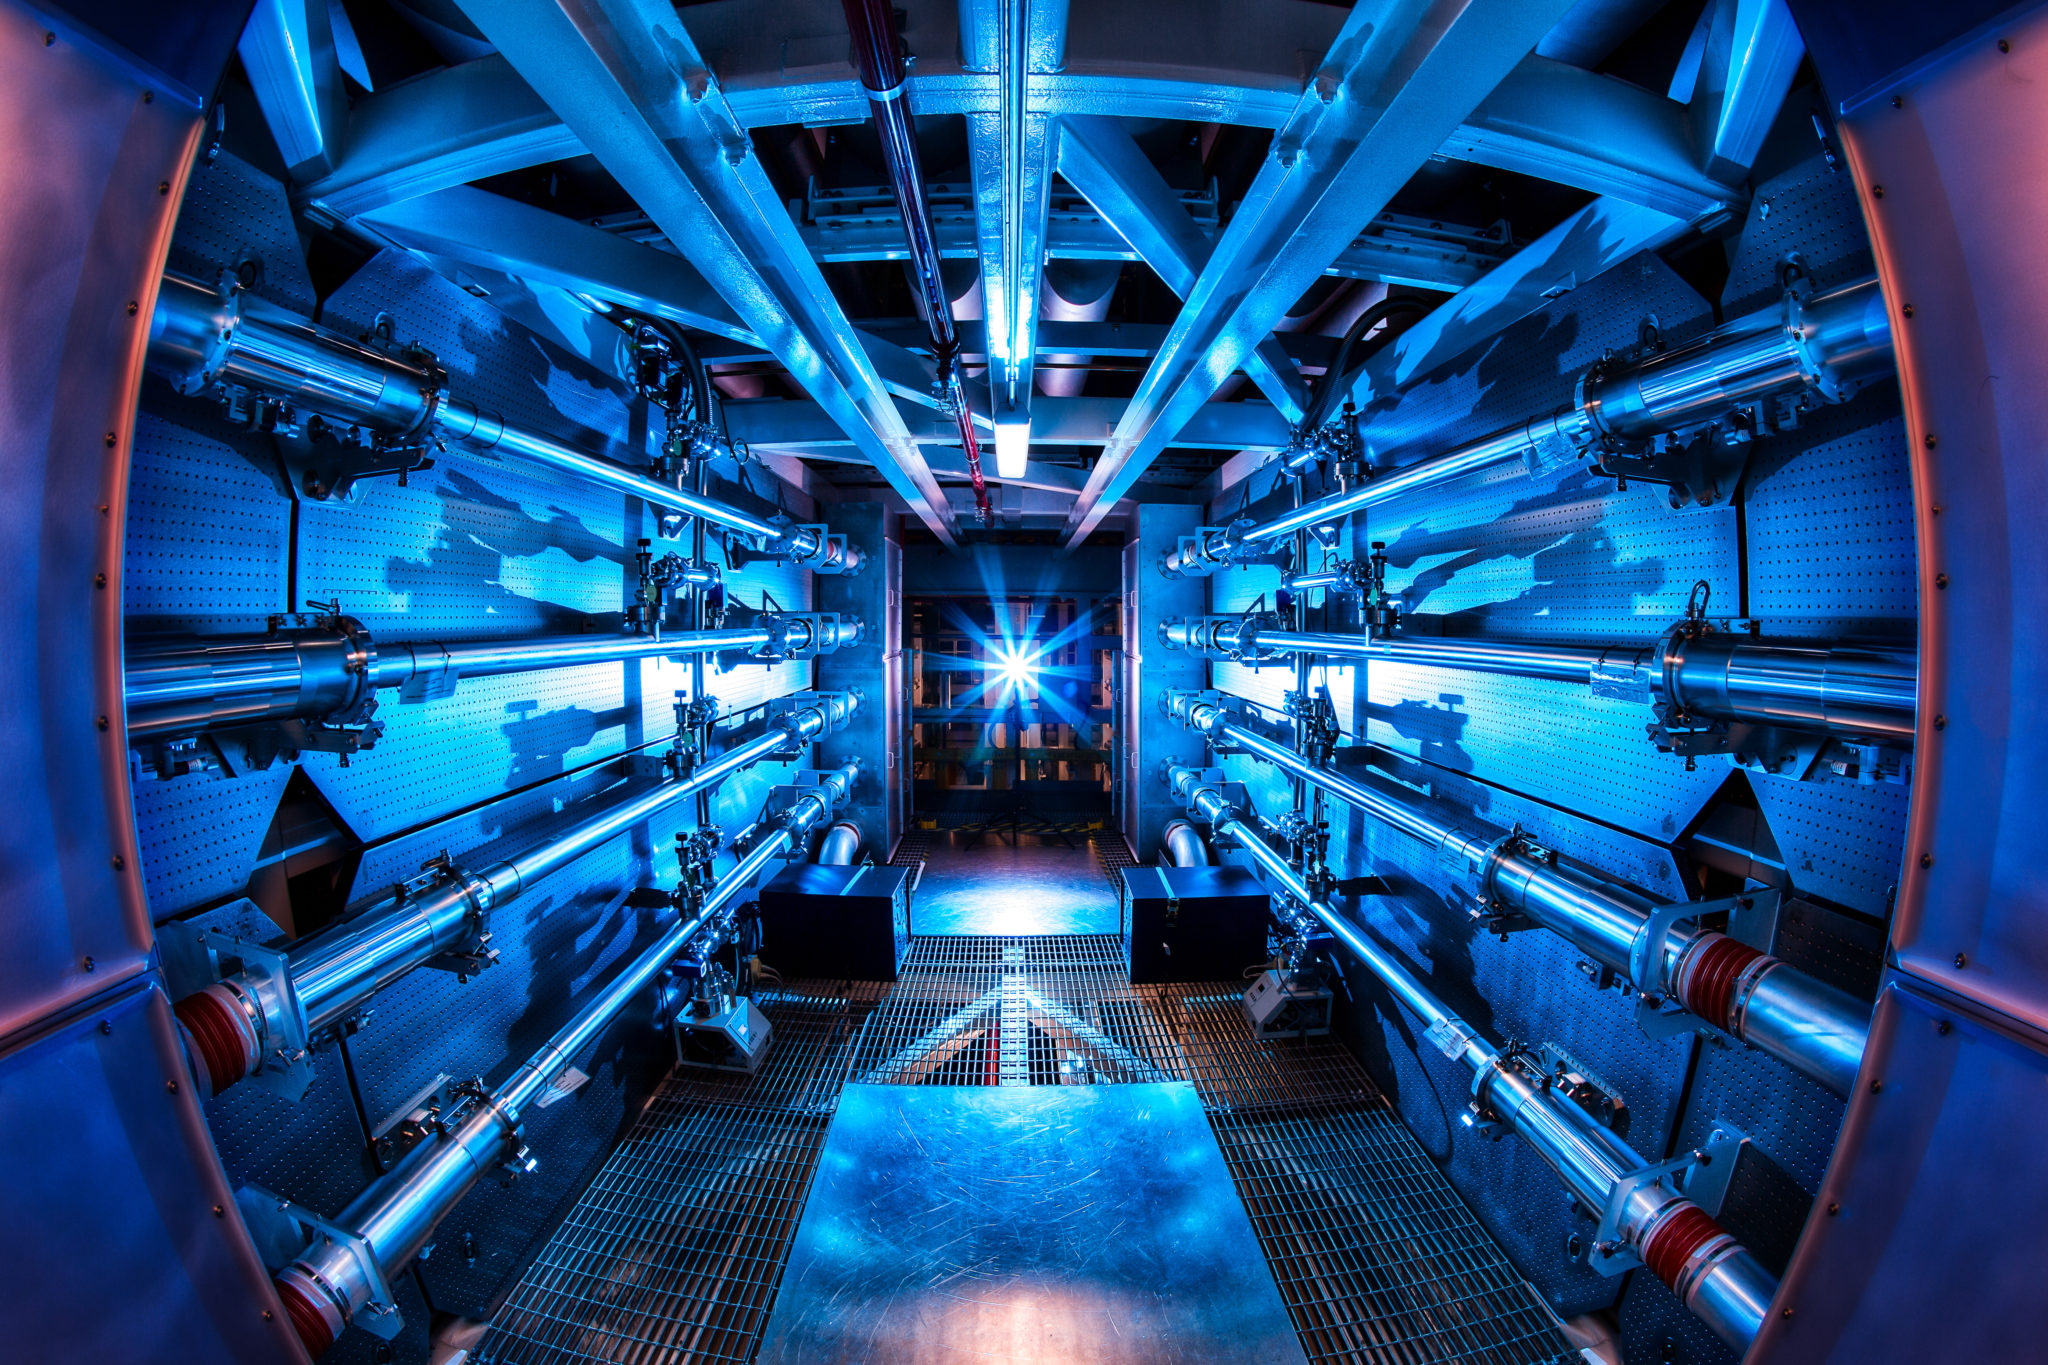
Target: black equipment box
x=836 y=923
x=1193 y=923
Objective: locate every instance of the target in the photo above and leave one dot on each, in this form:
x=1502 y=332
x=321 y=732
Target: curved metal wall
x=1821 y=546
x=123 y=1241
x=1927 y=1243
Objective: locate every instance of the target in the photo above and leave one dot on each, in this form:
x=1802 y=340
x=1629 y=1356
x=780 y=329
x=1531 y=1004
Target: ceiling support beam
x=1751 y=54
x=479 y=119
x=1599 y=236
x=1596 y=133
x=1400 y=78
x=799 y=426
x=288 y=50
x=495 y=233
x=447 y=128
x=1009 y=152
x=1107 y=168
x=627 y=79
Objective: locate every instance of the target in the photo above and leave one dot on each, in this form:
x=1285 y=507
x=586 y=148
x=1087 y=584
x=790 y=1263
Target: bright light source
x=1016 y=668
x=1013 y=448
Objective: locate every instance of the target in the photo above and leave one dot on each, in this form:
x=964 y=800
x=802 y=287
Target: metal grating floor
x=675 y=1252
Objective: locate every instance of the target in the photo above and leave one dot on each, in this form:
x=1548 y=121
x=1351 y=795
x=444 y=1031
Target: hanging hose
x=1398 y=313
x=879 y=56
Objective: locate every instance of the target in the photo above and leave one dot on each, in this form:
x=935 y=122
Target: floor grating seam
x=676 y=1250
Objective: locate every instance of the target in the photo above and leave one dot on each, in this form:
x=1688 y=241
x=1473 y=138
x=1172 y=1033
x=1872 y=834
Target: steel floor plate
x=677 y=1250
x=1041 y=884
x=1029 y=1224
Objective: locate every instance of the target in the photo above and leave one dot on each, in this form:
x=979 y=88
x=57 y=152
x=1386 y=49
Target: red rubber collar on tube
x=307 y=1319
x=1673 y=1242
x=1709 y=985
x=217 y=1036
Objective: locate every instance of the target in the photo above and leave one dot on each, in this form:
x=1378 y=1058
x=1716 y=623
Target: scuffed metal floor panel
x=1040 y=884
x=677 y=1250
x=1025 y=1224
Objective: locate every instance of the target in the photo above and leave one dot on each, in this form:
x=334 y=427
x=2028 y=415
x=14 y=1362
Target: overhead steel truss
x=1401 y=81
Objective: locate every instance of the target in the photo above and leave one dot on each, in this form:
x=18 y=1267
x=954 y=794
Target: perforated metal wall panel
x=473 y=548
x=235 y=215
x=192 y=496
x=1819 y=546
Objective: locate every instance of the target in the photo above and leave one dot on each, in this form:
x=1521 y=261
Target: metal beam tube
x=395 y=1217
x=1510 y=443
x=1563 y=663
x=1843 y=689
x=1811 y=1027
x=493 y=658
x=1855 y=691
x=1712 y=1273
x=199 y=339
x=334 y=973
x=1827 y=345
x=183 y=685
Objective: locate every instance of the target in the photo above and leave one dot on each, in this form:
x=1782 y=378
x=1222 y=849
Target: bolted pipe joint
x=263 y=1019
x=804 y=717
x=1643 y=1216
x=222 y=1029
x=343 y=1272
x=811 y=546
x=1202 y=711
x=792 y=811
x=1235 y=638
x=806 y=635
x=1825 y=347
x=1213 y=548
x=320 y=670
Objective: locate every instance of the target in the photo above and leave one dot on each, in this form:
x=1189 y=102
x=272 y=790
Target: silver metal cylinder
x=183 y=686
x=1731 y=1292
x=1600 y=918
x=1336 y=581
x=840 y=846
x=1858 y=692
x=397 y=1214
x=1184 y=845
x=1509 y=443
x=328 y=672
x=1562 y=663
x=1826 y=345
x=1843 y=689
x=199 y=338
x=1812 y=1027
x=1829 y=344
x=486 y=432
x=1214 y=722
x=400 y=663
x=335 y=972
x=1589 y=1160
x=1711 y=1272
x=1805 y=1023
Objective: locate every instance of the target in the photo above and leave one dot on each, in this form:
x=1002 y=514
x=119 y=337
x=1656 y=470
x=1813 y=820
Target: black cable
x=1338 y=376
